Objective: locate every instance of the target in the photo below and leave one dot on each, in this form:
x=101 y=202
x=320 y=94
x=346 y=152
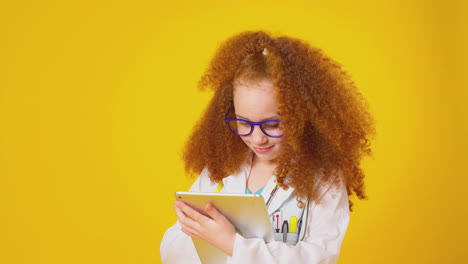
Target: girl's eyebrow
x=269 y=118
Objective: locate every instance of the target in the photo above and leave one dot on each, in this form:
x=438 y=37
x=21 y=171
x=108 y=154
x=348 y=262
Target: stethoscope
x=272 y=194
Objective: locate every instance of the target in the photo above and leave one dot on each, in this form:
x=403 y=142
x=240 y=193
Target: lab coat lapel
x=279 y=198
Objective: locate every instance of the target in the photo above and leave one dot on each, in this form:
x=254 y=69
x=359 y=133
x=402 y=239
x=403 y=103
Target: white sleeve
x=177 y=247
x=326 y=226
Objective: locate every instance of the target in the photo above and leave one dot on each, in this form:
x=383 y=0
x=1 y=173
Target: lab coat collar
x=238 y=182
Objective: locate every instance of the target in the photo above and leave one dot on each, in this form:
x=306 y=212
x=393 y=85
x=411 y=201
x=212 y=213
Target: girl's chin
x=265 y=156
x=265 y=160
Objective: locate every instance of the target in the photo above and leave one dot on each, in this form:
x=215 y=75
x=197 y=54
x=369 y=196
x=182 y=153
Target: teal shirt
x=257 y=192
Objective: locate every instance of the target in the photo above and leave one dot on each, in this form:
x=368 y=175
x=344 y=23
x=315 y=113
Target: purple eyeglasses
x=244 y=127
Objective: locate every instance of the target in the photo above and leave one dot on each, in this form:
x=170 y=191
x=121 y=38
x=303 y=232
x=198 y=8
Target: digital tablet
x=247 y=212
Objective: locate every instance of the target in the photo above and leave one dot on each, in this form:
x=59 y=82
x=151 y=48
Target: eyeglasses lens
x=240 y=127
x=272 y=129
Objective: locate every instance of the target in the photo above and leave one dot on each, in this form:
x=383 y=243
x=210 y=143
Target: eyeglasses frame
x=227 y=119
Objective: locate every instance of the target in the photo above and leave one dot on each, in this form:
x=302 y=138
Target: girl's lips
x=262 y=150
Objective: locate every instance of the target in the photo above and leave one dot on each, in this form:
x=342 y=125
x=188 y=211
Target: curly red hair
x=326 y=122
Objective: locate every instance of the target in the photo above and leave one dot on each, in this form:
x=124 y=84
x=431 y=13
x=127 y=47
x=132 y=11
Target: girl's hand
x=216 y=230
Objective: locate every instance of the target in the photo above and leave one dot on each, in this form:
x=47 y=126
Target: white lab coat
x=320 y=238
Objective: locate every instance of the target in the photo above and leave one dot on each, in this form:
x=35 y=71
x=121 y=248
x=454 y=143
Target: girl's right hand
x=214 y=228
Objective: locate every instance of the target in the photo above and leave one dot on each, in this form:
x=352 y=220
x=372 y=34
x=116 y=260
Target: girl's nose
x=258 y=136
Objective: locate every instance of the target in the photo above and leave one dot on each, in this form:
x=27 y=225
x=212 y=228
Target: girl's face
x=256 y=102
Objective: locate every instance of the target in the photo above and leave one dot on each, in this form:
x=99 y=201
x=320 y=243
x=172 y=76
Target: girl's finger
x=214 y=213
x=190 y=232
x=191 y=213
x=185 y=220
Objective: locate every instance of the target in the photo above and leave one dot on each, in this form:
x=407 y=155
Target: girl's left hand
x=216 y=230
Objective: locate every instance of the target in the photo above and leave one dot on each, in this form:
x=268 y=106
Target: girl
x=285 y=122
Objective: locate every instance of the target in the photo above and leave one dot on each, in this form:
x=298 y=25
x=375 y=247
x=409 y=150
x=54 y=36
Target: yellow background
x=98 y=97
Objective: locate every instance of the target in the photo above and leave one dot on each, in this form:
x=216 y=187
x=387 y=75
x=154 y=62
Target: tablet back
x=247 y=212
